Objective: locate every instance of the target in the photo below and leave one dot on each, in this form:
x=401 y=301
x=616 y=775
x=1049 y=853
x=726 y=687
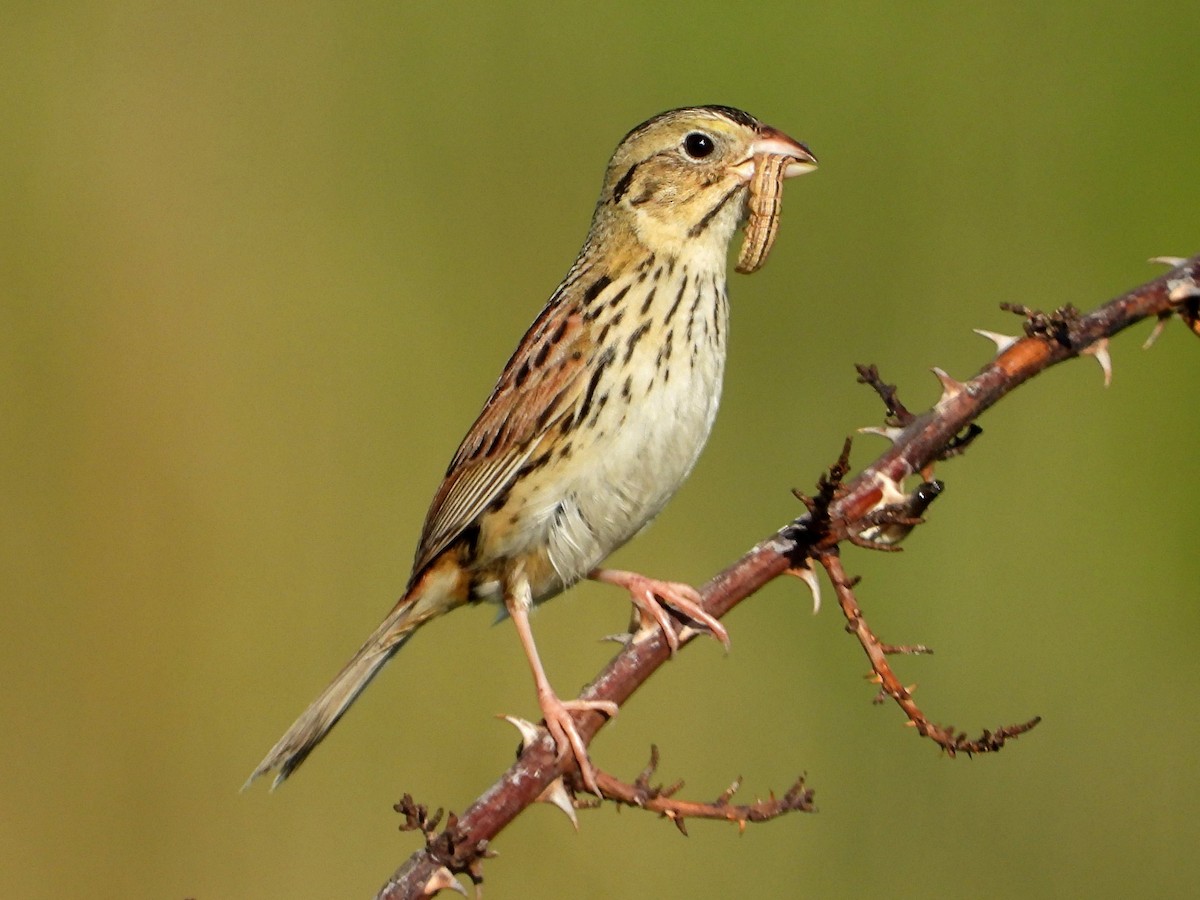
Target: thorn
x=1158 y=329
x=556 y=795
x=891 y=434
x=727 y=794
x=1002 y=341
x=911 y=688
x=1183 y=290
x=1173 y=261
x=1100 y=351
x=951 y=388
x=678 y=820
x=441 y=880
x=874 y=678
x=909 y=723
x=530 y=733
x=809 y=577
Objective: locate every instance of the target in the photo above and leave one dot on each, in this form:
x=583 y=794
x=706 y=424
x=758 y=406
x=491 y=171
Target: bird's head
x=678 y=182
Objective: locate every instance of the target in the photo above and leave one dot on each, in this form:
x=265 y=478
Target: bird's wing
x=539 y=386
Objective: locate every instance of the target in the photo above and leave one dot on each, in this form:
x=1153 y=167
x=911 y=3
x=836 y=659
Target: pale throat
x=702 y=234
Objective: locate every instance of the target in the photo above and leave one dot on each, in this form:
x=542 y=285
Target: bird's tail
x=438 y=591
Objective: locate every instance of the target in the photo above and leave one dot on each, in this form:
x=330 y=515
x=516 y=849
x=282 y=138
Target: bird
x=597 y=418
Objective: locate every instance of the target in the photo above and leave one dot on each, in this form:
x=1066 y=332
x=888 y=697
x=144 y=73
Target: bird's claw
x=561 y=725
x=651 y=597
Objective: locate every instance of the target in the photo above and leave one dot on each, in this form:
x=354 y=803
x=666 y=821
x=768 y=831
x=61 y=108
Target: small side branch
x=889 y=685
x=659 y=799
x=897 y=413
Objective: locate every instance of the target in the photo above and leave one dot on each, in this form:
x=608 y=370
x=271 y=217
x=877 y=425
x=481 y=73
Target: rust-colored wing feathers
x=540 y=385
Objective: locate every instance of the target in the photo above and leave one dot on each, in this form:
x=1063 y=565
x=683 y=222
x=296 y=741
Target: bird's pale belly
x=626 y=461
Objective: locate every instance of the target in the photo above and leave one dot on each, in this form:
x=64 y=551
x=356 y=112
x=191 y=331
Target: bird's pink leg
x=557 y=713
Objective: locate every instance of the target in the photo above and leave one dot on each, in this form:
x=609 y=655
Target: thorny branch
x=841 y=511
x=661 y=800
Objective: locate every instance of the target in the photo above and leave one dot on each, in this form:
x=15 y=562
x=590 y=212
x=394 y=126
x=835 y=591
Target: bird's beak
x=775 y=143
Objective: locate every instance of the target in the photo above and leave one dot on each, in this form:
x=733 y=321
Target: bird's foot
x=651 y=596
x=562 y=727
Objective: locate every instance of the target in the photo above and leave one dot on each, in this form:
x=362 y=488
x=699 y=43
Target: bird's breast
x=653 y=385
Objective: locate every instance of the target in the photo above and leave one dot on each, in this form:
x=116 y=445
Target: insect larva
x=765 y=204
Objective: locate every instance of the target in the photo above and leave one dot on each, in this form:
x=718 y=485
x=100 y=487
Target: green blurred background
x=259 y=265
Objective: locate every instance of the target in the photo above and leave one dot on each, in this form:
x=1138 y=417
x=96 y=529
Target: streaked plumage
x=598 y=416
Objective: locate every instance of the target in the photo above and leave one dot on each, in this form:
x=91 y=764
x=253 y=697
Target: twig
x=897 y=412
x=889 y=685
x=661 y=800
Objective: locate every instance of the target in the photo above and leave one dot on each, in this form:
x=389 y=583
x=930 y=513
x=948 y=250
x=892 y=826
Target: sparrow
x=598 y=417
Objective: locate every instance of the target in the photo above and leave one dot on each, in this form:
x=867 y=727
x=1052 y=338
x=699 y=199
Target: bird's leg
x=557 y=712
x=650 y=596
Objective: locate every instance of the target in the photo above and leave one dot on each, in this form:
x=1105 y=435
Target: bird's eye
x=698 y=145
